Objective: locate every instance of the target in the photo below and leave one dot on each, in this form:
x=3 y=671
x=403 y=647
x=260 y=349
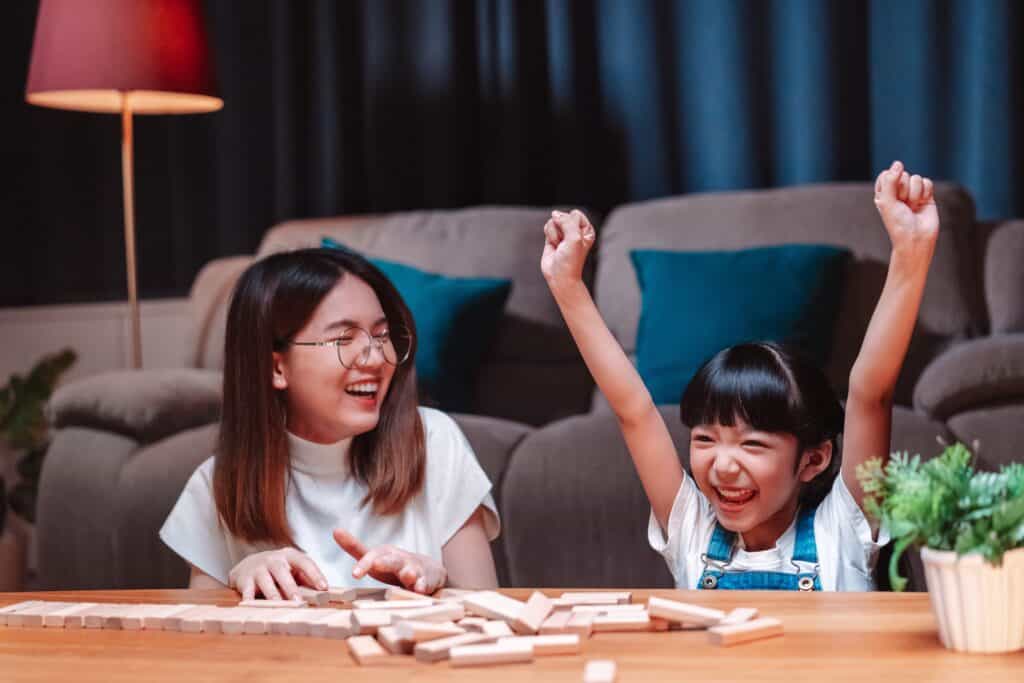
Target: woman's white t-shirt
x=847 y=549
x=321 y=496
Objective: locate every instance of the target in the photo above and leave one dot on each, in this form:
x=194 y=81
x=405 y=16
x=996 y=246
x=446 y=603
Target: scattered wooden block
x=608 y=609
x=582 y=624
x=365 y=650
x=422 y=631
x=598 y=598
x=683 y=612
x=472 y=623
x=622 y=622
x=387 y=636
x=367 y=621
x=738 y=616
x=314 y=598
x=445 y=611
x=562 y=644
x=530 y=618
x=599 y=671
x=556 y=623
x=5 y=612
x=396 y=593
x=437 y=650
x=734 y=634
x=276 y=604
x=493 y=605
x=418 y=603
x=660 y=625
x=483 y=655
x=57 y=618
x=454 y=593
x=497 y=629
x=353 y=594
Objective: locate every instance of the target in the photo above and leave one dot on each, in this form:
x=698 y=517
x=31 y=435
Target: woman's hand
x=568 y=239
x=389 y=564
x=274 y=573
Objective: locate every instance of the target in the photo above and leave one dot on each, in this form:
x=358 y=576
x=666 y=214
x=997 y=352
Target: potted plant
x=24 y=427
x=969 y=526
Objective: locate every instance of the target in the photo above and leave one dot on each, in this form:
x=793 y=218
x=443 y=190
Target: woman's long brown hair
x=272 y=301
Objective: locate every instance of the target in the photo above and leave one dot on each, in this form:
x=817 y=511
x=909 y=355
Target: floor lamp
x=123 y=57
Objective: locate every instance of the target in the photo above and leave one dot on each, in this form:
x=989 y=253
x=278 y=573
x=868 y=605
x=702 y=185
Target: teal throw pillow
x=694 y=304
x=456 y=320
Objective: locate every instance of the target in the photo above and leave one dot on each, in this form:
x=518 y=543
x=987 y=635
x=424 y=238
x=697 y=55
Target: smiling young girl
x=326 y=471
x=771 y=504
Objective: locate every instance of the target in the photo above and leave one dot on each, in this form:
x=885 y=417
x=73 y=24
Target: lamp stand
x=127 y=175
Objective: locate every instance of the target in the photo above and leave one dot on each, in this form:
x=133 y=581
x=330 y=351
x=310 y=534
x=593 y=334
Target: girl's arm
x=568 y=240
x=467 y=556
x=907 y=206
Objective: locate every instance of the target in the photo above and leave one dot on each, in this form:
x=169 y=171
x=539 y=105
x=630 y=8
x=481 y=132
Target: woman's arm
x=467 y=555
x=200 y=579
x=907 y=206
x=568 y=239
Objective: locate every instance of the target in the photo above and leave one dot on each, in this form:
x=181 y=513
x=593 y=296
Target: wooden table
x=864 y=637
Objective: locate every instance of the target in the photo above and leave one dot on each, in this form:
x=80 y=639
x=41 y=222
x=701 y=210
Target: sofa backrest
x=533 y=374
x=836 y=214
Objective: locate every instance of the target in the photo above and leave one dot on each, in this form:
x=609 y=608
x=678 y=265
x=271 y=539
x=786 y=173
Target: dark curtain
x=380 y=105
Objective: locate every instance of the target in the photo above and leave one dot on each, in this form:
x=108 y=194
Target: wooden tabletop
x=864 y=637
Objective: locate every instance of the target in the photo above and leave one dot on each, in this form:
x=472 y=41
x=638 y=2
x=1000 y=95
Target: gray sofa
x=573 y=510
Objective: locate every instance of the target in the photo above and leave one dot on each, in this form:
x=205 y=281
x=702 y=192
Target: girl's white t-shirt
x=321 y=496
x=847 y=549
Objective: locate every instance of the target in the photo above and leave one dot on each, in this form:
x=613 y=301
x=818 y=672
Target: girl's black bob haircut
x=771 y=389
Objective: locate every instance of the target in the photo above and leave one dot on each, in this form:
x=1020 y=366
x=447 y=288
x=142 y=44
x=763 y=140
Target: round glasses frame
x=350 y=336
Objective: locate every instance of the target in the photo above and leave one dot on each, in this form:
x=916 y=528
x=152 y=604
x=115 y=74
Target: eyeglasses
x=355 y=345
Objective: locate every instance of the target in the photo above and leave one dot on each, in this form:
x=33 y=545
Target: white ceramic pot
x=979 y=607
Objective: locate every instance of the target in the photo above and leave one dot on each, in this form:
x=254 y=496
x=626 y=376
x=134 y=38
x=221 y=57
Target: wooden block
x=387 y=636
x=367 y=621
x=353 y=594
x=608 y=609
x=493 y=605
x=93 y=618
x=599 y=671
x=278 y=620
x=301 y=623
x=582 y=624
x=365 y=650
x=397 y=594
x=418 y=603
x=58 y=618
x=454 y=593
x=622 y=622
x=18 y=617
x=173 y=621
x=32 y=617
x=15 y=607
x=492 y=653
x=437 y=650
x=472 y=623
x=530 y=618
x=445 y=611
x=155 y=619
x=114 y=619
x=683 y=612
x=272 y=603
x=135 y=619
x=556 y=623
x=598 y=598
x=563 y=644
x=256 y=619
x=314 y=598
x=734 y=634
x=422 y=631
x=738 y=616
x=201 y=619
x=337 y=625
x=660 y=625
x=497 y=629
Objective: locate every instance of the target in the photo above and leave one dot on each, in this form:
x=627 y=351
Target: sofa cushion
x=838 y=214
x=456 y=319
x=696 y=303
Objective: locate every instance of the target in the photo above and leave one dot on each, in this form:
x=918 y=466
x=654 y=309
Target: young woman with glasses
x=327 y=472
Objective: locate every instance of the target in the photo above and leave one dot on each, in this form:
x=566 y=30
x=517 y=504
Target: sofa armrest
x=980 y=372
x=209 y=299
x=146 y=405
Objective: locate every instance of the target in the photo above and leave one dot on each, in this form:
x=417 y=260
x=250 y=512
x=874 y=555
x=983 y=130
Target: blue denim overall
x=805 y=550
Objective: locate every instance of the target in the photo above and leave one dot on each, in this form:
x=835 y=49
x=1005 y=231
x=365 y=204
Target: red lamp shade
x=88 y=55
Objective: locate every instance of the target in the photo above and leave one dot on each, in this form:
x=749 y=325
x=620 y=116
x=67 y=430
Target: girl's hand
x=907 y=205
x=568 y=239
x=274 y=574
x=389 y=564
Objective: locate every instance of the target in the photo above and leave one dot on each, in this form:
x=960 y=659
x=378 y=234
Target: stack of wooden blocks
x=468 y=628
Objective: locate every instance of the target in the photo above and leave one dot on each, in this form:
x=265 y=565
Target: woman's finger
x=308 y=571
x=266 y=585
x=281 y=572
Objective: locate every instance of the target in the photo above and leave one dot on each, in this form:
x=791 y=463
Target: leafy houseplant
x=24 y=426
x=970 y=527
